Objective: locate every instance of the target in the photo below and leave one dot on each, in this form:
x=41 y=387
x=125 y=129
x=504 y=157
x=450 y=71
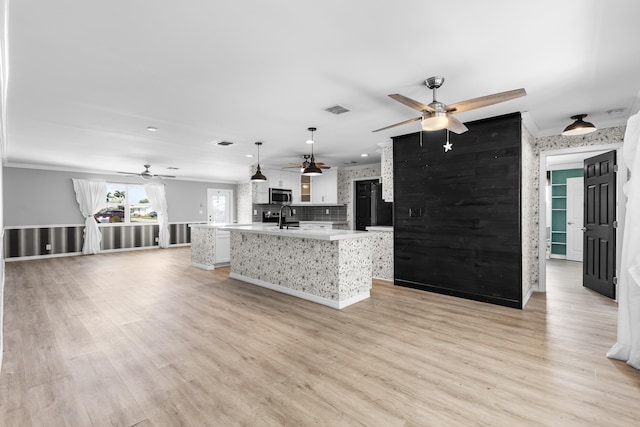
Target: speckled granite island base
x=323 y=266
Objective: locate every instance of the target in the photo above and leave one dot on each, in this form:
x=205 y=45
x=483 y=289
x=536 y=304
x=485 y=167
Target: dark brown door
x=599 y=217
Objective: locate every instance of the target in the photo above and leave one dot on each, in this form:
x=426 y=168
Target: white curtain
x=91 y=196
x=628 y=346
x=158 y=200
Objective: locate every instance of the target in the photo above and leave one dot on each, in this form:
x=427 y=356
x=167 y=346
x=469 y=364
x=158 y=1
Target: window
x=127 y=203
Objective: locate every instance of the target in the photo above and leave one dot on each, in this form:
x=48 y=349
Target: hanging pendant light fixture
x=258 y=176
x=579 y=126
x=312 y=169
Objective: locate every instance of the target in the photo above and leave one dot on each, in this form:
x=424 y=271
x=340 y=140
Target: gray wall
x=44 y=197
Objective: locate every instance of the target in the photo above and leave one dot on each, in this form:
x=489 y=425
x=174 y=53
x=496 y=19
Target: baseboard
x=106 y=251
x=202 y=266
x=309 y=297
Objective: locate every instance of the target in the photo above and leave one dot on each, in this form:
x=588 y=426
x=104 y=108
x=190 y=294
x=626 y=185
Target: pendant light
x=579 y=126
x=312 y=169
x=258 y=176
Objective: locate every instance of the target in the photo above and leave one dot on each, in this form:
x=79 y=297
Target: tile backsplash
x=304 y=213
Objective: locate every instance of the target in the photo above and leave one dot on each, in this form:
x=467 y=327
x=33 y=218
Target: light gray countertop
x=380 y=228
x=321 y=234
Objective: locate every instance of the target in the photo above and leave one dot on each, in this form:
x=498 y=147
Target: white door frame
x=621 y=178
x=575 y=193
x=230 y=212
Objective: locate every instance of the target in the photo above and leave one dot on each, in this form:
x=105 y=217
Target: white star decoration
x=448 y=146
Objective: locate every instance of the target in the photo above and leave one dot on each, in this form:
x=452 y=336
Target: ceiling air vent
x=225 y=143
x=337 y=109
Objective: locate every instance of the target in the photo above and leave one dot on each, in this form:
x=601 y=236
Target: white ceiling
x=86 y=78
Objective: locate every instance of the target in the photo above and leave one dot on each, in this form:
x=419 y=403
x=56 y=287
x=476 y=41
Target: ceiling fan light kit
x=437 y=115
x=146 y=174
x=258 y=176
x=435 y=121
x=579 y=126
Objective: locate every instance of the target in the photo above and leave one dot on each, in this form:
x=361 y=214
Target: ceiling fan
x=436 y=115
x=305 y=164
x=146 y=174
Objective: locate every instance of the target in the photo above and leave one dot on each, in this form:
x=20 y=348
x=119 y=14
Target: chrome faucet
x=280 y=219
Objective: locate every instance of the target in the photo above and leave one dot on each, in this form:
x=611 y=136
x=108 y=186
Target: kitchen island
x=209 y=245
x=330 y=267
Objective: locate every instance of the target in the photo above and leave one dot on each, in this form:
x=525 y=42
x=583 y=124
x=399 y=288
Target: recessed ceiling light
x=173 y=168
x=225 y=143
x=249 y=155
x=152 y=128
x=364 y=155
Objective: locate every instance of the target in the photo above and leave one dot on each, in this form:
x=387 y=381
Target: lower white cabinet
x=223 y=246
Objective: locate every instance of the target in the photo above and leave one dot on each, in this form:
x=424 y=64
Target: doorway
x=369 y=208
x=570 y=158
x=219 y=206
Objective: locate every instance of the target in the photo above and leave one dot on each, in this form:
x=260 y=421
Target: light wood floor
x=141 y=338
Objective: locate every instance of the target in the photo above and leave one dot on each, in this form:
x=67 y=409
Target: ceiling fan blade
x=411 y=103
x=323 y=166
x=164 y=176
x=129 y=173
x=398 y=124
x=456 y=125
x=485 y=101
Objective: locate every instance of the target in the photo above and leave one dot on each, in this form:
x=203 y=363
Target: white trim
x=526 y=298
x=102 y=251
x=542 y=203
x=28 y=258
x=114 y=224
x=203 y=266
x=111 y=173
x=309 y=297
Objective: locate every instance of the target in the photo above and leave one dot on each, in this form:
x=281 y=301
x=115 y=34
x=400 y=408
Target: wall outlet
x=327 y=211
x=157 y=239
x=255 y=211
x=294 y=211
x=48 y=246
x=200 y=211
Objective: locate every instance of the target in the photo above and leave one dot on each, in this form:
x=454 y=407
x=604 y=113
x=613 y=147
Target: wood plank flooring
x=141 y=338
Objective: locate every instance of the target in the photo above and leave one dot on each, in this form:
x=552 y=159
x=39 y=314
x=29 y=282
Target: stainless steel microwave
x=280 y=196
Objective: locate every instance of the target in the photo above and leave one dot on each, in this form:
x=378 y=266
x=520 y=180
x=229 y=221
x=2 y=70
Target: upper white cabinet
x=324 y=188
x=277 y=178
x=261 y=190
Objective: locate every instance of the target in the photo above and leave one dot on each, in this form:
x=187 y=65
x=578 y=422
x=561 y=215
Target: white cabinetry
x=277 y=178
x=324 y=188
x=261 y=194
x=223 y=246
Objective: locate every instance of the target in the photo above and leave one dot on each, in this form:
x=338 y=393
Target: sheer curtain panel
x=627 y=347
x=158 y=199
x=91 y=196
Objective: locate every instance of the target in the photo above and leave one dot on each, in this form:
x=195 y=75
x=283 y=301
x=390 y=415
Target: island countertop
x=317 y=234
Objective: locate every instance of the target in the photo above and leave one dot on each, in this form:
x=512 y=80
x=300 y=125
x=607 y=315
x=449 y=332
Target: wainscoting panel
x=32 y=241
